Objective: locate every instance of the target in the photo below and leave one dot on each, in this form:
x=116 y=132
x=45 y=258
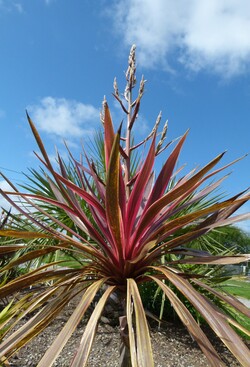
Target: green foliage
x=231 y=236
x=239 y=288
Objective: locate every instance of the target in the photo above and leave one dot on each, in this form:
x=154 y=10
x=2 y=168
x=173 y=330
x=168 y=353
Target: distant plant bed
x=239 y=288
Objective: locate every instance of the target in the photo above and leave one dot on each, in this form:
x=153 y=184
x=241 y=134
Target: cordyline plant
x=134 y=222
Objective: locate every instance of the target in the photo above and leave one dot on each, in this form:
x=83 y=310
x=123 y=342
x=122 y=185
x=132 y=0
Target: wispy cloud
x=47 y=2
x=18 y=7
x=10 y=6
x=209 y=34
x=64 y=118
x=2 y=113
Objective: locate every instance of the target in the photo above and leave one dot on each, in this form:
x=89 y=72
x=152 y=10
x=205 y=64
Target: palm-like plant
x=134 y=222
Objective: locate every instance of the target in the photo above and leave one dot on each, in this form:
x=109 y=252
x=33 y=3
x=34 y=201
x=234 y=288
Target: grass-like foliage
x=133 y=220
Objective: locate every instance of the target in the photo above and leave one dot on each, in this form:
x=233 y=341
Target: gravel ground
x=172 y=346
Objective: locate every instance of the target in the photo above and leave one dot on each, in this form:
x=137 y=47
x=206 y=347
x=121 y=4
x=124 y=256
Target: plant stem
x=125 y=360
x=128 y=141
x=131 y=81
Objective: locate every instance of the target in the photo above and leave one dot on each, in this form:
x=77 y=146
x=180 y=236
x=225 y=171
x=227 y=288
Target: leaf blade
x=54 y=350
x=143 y=355
x=191 y=325
x=112 y=197
x=81 y=358
x=212 y=316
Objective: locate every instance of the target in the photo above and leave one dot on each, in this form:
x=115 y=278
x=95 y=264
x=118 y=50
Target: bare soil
x=172 y=345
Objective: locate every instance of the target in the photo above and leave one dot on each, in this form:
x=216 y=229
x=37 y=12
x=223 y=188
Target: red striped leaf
x=112 y=197
x=136 y=195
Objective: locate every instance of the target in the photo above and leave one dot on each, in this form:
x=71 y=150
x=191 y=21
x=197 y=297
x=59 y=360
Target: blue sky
x=59 y=58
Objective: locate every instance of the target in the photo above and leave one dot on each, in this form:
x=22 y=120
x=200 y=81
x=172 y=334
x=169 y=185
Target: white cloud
x=64 y=118
x=208 y=34
x=4 y=203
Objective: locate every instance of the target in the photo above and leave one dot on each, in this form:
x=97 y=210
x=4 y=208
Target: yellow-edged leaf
x=34 y=277
x=82 y=355
x=28 y=256
x=24 y=234
x=191 y=325
x=62 y=338
x=34 y=326
x=8 y=249
x=112 y=196
x=142 y=356
x=109 y=134
x=212 y=315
